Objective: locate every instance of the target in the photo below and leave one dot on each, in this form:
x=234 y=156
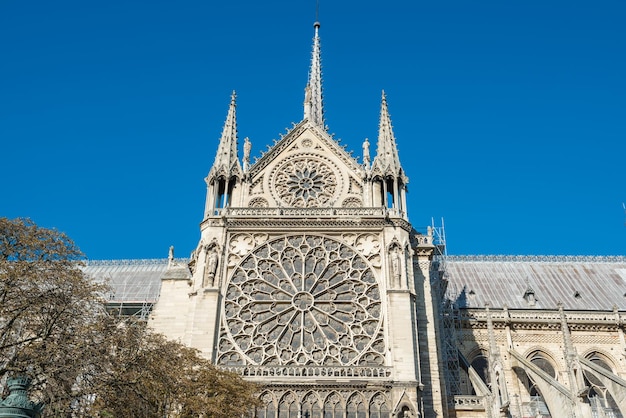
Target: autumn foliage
x=54 y=327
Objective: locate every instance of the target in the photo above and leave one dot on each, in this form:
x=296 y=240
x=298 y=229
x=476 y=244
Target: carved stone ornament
x=305 y=182
x=302 y=300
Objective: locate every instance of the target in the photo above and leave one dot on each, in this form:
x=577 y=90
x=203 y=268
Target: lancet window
x=336 y=404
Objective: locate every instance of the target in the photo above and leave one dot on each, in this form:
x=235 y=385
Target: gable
x=306 y=168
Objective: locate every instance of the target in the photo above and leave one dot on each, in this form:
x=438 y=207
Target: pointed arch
x=379 y=406
x=356 y=407
x=288 y=406
x=334 y=406
x=606 y=395
x=311 y=406
x=268 y=407
x=537 y=372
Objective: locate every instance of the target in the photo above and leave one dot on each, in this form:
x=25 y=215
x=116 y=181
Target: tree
x=54 y=328
x=151 y=376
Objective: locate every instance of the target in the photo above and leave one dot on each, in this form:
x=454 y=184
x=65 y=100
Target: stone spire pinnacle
x=386 y=161
x=313 y=107
x=226 y=160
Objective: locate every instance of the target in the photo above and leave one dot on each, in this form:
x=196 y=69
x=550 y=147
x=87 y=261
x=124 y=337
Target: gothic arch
x=540 y=353
x=334 y=406
x=356 y=406
x=601 y=397
x=379 y=406
x=595 y=353
x=268 y=407
x=311 y=406
x=533 y=401
x=288 y=406
x=479 y=360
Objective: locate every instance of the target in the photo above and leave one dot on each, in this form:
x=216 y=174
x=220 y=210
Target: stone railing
x=469 y=402
x=311 y=371
x=543 y=316
x=302 y=212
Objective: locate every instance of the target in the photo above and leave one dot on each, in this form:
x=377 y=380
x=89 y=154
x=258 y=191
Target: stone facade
x=309 y=279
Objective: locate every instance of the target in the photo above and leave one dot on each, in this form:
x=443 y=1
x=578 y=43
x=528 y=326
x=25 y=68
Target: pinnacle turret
x=313 y=106
x=226 y=159
x=386 y=161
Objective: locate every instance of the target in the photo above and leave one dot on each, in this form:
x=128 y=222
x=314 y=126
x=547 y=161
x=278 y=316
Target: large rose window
x=305 y=182
x=302 y=300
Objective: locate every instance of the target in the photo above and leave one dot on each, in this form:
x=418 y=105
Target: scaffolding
x=448 y=313
x=134 y=285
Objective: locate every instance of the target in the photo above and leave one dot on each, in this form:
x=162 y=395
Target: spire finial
x=386 y=160
x=226 y=158
x=313 y=106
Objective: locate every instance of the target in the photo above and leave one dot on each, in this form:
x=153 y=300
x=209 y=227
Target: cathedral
x=310 y=280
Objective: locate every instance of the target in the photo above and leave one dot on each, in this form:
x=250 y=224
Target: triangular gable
x=306 y=168
x=287 y=141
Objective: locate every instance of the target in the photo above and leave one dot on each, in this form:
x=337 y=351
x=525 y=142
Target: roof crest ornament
x=226 y=158
x=313 y=105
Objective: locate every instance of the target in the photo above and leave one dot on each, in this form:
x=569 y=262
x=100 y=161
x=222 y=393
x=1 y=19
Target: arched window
x=600 y=400
x=378 y=407
x=356 y=408
x=268 y=410
x=535 y=404
x=333 y=407
x=481 y=365
x=311 y=407
x=288 y=408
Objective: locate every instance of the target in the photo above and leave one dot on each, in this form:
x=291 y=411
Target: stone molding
x=543 y=319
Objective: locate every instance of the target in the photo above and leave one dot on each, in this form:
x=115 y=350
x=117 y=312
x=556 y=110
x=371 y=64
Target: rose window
x=305 y=183
x=302 y=300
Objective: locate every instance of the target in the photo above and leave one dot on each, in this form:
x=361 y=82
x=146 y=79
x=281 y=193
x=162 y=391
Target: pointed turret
x=386 y=162
x=226 y=172
x=387 y=175
x=226 y=159
x=313 y=106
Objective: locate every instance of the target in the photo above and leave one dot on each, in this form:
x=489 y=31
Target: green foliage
x=54 y=327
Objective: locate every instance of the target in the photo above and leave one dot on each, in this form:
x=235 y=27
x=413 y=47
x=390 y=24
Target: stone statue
x=170 y=256
x=396 y=268
x=211 y=265
x=247 y=147
x=366 y=152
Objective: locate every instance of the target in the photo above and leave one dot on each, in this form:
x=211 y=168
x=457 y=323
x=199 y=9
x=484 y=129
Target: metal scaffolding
x=448 y=313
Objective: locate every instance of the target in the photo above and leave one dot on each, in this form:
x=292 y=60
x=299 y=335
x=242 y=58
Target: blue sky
x=510 y=116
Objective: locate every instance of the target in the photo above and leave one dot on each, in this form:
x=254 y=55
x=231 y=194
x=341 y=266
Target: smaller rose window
x=305 y=183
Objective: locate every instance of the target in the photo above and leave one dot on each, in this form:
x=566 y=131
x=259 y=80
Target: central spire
x=313 y=107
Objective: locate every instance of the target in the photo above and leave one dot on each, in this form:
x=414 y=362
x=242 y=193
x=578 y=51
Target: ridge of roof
x=539 y=258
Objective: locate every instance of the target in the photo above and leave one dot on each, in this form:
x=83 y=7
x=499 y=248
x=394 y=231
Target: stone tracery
x=305 y=182
x=303 y=300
